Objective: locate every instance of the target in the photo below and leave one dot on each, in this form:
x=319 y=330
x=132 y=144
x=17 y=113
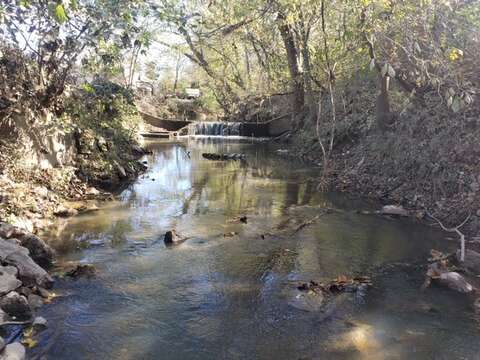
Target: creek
x=228 y=297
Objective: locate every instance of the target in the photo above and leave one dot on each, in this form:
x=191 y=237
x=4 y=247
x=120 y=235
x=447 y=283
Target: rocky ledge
x=24 y=283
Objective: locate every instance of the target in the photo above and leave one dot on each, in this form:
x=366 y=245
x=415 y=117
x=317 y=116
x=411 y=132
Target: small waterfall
x=215 y=128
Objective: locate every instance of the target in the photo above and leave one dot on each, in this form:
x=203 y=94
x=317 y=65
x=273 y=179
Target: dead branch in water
x=305 y=223
x=455 y=230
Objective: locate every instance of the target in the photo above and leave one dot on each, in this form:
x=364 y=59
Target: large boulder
x=8 y=279
x=40 y=252
x=29 y=272
x=16 y=305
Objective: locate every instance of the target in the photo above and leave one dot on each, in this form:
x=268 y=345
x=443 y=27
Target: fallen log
x=223 y=157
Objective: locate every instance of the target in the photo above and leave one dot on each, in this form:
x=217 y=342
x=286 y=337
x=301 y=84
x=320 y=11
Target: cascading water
x=212 y=128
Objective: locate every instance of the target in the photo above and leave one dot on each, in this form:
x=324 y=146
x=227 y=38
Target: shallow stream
x=229 y=297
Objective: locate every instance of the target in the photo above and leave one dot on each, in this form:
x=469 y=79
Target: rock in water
x=14 y=351
x=172 y=237
x=39 y=324
x=35 y=301
x=16 y=305
x=394 y=210
x=83 y=270
x=306 y=301
x=63 y=211
x=455 y=281
x=28 y=271
x=472 y=260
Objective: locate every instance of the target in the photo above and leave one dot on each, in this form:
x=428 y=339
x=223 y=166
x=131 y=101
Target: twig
x=305 y=223
x=455 y=230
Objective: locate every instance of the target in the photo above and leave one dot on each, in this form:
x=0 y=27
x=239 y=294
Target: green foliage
x=103 y=105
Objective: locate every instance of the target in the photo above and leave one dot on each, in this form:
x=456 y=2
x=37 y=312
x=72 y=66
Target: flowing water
x=215 y=128
x=230 y=297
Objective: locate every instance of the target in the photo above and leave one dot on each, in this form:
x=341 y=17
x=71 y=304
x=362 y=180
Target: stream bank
x=426 y=160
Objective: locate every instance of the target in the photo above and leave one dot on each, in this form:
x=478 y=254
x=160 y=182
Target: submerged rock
x=14 y=351
x=82 y=270
x=16 y=305
x=306 y=300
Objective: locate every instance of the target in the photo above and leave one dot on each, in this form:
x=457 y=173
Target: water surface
x=217 y=297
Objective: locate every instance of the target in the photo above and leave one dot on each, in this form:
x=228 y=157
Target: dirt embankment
x=52 y=155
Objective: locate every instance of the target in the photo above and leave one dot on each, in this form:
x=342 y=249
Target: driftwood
x=305 y=223
x=284 y=228
x=223 y=157
x=455 y=230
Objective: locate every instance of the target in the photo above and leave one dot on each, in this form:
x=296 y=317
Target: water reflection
x=217 y=297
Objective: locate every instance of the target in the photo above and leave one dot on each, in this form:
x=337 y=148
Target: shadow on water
x=217 y=297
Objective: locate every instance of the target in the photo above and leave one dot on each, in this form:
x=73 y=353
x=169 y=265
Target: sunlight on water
x=229 y=293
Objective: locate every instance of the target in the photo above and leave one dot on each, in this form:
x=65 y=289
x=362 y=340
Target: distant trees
x=270 y=46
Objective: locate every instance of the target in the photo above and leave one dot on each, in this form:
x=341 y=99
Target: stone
x=307 y=301
x=92 y=192
x=41 y=191
x=14 y=351
x=4 y=317
x=102 y=144
x=82 y=270
x=42 y=292
x=63 y=211
x=8 y=279
x=25 y=291
x=16 y=305
x=394 y=210
x=172 y=237
x=39 y=251
x=29 y=272
x=39 y=323
x=8 y=231
x=455 y=281
x=472 y=260
x=35 y=301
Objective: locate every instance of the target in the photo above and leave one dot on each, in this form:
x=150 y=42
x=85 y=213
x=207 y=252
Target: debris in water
x=223 y=157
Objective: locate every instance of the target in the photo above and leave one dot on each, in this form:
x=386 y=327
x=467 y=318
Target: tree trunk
x=296 y=77
x=383 y=112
